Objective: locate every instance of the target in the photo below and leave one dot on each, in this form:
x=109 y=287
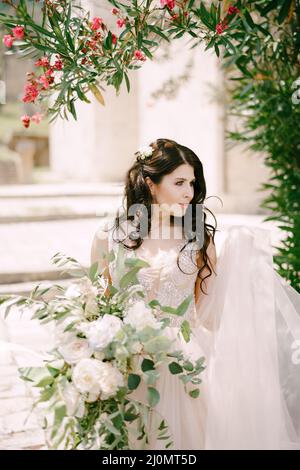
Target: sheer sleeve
x=253 y=380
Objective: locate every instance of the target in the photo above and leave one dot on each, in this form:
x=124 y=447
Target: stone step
x=24 y=288
x=41 y=209
x=61 y=190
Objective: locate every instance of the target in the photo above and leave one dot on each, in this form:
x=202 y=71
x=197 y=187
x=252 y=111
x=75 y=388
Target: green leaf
x=73 y=110
x=47 y=394
x=129 y=278
x=188 y=366
x=147 y=364
x=44 y=382
x=159 y=32
x=186 y=330
x=157 y=345
x=205 y=17
x=180 y=311
x=194 y=393
x=93 y=271
x=127 y=82
x=130 y=416
x=249 y=19
x=59 y=414
x=175 y=368
x=284 y=11
x=153 y=396
x=133 y=381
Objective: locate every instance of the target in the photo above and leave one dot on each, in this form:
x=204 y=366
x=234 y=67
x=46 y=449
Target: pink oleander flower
x=42 y=62
x=37 y=117
x=115 y=11
x=232 y=10
x=8 y=40
x=121 y=22
x=49 y=72
x=220 y=28
x=44 y=80
x=18 y=32
x=31 y=93
x=169 y=3
x=139 y=55
x=114 y=38
x=25 y=120
x=58 y=64
x=96 y=23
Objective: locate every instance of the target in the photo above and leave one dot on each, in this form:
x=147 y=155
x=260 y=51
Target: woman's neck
x=163 y=228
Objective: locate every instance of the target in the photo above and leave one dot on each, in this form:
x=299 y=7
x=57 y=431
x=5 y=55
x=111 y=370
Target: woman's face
x=175 y=191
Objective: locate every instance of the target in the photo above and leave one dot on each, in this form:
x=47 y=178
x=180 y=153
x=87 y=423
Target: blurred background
x=59 y=181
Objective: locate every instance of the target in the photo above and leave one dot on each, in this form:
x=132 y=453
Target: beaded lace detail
x=163 y=280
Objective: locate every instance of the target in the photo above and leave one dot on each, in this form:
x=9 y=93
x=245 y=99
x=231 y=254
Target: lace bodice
x=162 y=280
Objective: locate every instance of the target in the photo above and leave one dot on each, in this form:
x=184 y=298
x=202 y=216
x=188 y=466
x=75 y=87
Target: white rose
x=102 y=331
x=111 y=379
x=86 y=376
x=97 y=378
x=75 y=349
x=139 y=316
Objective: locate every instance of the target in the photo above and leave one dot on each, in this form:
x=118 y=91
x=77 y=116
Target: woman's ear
x=150 y=184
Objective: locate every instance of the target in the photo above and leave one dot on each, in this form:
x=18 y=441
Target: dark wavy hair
x=166 y=157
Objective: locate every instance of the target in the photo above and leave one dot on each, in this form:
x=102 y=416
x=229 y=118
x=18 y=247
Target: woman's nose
x=189 y=193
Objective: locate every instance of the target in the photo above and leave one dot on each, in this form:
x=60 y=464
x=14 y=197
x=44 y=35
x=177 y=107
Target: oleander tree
x=257 y=42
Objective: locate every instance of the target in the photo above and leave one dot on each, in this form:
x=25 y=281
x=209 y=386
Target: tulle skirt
x=248 y=328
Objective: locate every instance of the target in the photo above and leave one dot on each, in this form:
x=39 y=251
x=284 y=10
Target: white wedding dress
x=248 y=329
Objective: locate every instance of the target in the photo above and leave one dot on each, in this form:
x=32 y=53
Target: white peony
x=97 y=378
x=102 y=331
x=139 y=316
x=74 y=349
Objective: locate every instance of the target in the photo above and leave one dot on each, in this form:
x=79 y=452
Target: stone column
x=99 y=146
x=192 y=116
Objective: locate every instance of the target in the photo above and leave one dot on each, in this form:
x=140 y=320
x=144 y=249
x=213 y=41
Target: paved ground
x=28 y=247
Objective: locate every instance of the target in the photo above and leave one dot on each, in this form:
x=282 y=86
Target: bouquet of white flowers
x=108 y=341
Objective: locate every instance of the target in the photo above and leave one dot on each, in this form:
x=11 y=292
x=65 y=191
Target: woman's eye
x=179 y=183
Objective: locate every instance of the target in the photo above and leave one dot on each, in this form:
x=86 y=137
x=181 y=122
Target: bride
x=245 y=318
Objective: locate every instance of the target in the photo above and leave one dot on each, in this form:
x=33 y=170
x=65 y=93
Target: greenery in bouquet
x=108 y=342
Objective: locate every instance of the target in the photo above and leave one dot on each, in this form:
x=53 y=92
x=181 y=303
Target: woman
x=245 y=318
